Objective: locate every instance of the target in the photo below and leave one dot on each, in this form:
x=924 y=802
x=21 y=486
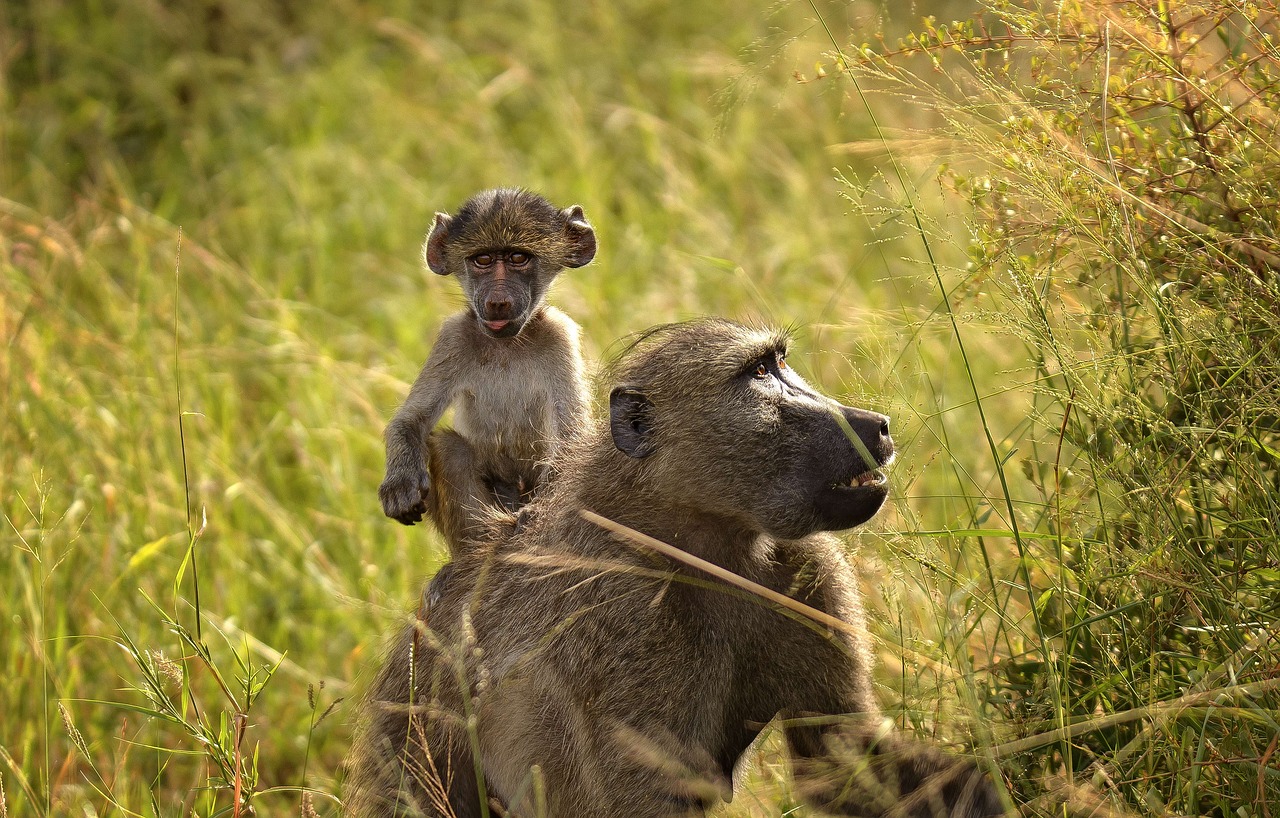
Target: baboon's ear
x=631 y=422
x=433 y=249
x=579 y=237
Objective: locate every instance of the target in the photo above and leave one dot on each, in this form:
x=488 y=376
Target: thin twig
x=738 y=581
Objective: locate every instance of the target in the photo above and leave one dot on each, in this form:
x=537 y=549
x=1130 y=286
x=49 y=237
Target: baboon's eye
x=518 y=259
x=762 y=371
x=482 y=260
x=782 y=361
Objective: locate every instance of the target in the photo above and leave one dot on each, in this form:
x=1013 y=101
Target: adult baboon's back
x=564 y=671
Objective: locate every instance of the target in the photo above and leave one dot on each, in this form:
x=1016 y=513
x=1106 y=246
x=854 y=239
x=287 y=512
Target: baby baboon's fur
x=565 y=671
x=510 y=366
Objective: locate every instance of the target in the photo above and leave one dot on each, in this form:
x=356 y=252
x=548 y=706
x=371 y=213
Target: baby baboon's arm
x=404 y=490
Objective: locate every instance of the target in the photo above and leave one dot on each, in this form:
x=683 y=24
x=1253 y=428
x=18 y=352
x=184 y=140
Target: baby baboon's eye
x=518 y=259
x=482 y=260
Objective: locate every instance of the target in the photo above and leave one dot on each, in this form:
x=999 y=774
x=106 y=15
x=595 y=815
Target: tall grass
x=1124 y=360
x=1122 y=169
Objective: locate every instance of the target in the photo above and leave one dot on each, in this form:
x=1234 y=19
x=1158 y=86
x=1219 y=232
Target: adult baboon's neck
x=629 y=491
x=720 y=540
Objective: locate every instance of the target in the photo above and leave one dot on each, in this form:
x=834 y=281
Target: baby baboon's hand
x=404 y=494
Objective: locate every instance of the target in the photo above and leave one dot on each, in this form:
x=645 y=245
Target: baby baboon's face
x=734 y=430
x=505 y=246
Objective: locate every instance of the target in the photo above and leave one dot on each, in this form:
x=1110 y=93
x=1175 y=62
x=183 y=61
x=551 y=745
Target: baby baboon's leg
x=458 y=489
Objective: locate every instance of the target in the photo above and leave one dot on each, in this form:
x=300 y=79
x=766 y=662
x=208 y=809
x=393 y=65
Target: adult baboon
x=566 y=671
x=509 y=364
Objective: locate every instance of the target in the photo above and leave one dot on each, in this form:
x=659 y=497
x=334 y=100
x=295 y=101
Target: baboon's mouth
x=867 y=478
x=503 y=327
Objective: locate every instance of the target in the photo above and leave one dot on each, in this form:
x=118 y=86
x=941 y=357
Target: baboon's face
x=506 y=246
x=732 y=428
x=504 y=287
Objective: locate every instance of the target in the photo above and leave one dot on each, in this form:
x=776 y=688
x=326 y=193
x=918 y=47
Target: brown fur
x=517 y=394
x=565 y=671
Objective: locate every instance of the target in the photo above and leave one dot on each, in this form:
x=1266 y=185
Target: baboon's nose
x=884 y=446
x=497 y=309
x=872 y=429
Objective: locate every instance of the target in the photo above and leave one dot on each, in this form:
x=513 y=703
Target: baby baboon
x=510 y=365
x=566 y=671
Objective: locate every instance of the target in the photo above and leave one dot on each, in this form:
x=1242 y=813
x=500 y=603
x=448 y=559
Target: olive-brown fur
x=563 y=670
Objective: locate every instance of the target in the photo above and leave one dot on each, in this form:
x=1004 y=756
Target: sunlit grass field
x=212 y=299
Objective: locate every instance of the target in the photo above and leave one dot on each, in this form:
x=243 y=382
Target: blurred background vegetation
x=1045 y=240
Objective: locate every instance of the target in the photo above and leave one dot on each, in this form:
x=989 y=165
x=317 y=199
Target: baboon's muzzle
x=852 y=485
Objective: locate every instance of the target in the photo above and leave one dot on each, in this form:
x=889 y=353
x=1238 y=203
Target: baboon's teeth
x=867 y=478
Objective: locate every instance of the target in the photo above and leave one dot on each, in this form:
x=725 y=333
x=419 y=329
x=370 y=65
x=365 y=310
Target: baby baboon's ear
x=433 y=249
x=580 y=237
x=631 y=422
